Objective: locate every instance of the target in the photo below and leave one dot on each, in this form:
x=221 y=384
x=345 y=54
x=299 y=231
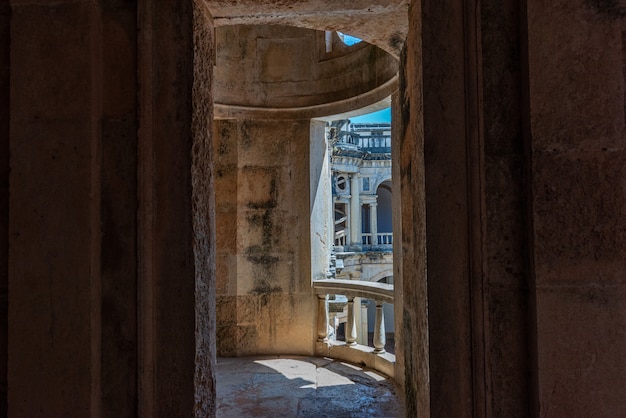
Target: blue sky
x=348 y=39
x=379 y=116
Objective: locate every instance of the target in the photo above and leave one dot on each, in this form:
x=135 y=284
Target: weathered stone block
x=226 y=231
x=226 y=310
x=225 y=187
x=258 y=187
x=226 y=341
x=225 y=134
x=247 y=337
x=576 y=77
x=282 y=60
x=580 y=215
x=286 y=320
x=119 y=59
x=267 y=230
x=270 y=143
x=507 y=353
x=56 y=39
x=506 y=229
x=261 y=273
x=226 y=275
x=581 y=332
x=247 y=310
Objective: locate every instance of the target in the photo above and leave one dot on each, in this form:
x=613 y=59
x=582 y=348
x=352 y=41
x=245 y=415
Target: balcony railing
x=341 y=240
x=378 y=292
x=382 y=242
x=372 y=143
x=384 y=238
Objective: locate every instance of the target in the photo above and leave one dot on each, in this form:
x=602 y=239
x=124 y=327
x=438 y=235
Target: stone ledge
x=358 y=354
x=356 y=288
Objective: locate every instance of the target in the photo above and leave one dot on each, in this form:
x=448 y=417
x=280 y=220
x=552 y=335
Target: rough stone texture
x=409 y=225
x=475 y=222
x=265 y=303
x=203 y=212
x=86 y=335
x=578 y=204
x=119 y=212
x=84 y=75
x=448 y=205
x=583 y=62
x=5 y=14
x=286 y=67
x=170 y=280
x=54 y=257
x=360 y=18
x=505 y=276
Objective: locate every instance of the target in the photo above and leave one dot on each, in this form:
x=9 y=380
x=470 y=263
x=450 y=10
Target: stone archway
x=360 y=19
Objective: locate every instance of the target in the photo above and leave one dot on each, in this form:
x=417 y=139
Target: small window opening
x=348 y=39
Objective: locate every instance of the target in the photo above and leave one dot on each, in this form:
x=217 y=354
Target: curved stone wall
x=282 y=69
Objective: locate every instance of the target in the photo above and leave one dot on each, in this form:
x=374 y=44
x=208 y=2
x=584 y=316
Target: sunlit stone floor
x=289 y=386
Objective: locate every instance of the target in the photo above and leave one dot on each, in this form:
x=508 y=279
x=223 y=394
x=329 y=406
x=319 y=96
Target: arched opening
x=272 y=176
x=263 y=109
x=360 y=161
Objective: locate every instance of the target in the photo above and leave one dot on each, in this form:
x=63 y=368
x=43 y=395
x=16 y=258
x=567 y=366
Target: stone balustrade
x=382 y=241
x=384 y=238
x=372 y=143
x=375 y=357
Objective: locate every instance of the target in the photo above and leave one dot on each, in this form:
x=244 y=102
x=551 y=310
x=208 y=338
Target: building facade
x=362 y=204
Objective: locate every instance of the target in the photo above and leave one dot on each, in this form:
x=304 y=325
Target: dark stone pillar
x=446 y=158
x=410 y=223
x=465 y=72
x=5 y=28
x=119 y=209
x=110 y=242
x=176 y=234
x=505 y=268
x=54 y=210
x=578 y=207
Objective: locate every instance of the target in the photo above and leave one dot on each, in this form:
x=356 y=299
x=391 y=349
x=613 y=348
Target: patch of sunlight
x=327 y=378
x=291 y=368
x=375 y=376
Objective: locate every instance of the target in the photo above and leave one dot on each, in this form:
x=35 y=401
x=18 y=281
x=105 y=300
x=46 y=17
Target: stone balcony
x=373 y=357
x=381 y=242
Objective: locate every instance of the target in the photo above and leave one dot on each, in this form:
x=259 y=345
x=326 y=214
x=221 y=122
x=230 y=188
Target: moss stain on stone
x=272 y=200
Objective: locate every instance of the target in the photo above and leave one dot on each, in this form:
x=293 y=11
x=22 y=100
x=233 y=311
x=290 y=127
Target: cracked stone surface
x=293 y=386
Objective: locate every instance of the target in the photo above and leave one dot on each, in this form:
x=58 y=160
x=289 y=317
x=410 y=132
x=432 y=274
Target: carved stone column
x=322 y=319
x=379 y=329
x=355 y=210
x=351 y=333
x=362 y=337
x=374 y=222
